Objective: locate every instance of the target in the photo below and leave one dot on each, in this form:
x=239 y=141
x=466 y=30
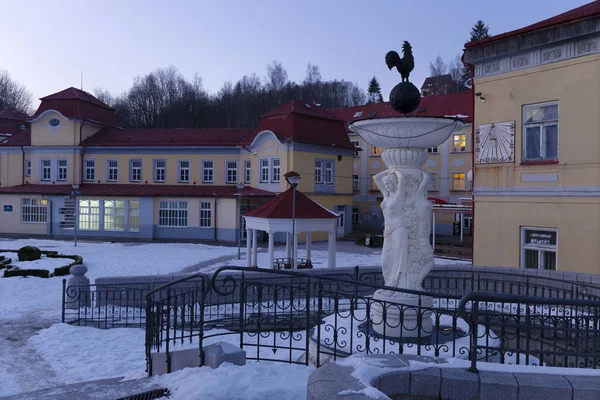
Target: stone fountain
x=407 y=255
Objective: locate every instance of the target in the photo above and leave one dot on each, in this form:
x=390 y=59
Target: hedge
x=11 y=270
x=42 y=273
x=29 y=253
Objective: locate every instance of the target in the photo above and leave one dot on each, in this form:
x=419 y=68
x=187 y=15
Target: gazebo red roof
x=281 y=207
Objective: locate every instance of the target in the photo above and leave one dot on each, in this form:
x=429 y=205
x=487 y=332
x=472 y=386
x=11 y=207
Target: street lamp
x=293 y=178
x=240 y=187
x=74 y=195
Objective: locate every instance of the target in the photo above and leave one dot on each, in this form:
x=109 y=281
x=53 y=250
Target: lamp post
x=74 y=195
x=240 y=187
x=293 y=178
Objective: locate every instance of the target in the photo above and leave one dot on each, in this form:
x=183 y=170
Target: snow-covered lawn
x=53 y=354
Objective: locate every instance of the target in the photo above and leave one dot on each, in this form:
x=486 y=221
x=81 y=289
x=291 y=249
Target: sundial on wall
x=495 y=143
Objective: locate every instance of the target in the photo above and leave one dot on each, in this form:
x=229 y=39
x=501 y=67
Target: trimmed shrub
x=60 y=271
x=29 y=253
x=41 y=273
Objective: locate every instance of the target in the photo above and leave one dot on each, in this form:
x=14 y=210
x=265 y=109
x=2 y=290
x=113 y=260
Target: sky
x=47 y=44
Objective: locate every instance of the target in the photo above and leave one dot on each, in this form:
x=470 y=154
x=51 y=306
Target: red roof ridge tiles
x=586 y=11
x=281 y=208
x=74 y=93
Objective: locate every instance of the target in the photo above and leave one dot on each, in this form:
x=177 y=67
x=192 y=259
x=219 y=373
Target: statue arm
x=401 y=189
x=422 y=190
x=379 y=182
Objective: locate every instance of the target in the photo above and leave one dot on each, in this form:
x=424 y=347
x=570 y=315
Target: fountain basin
x=406 y=132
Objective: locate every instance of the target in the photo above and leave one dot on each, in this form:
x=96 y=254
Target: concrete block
x=459 y=384
x=584 y=387
x=425 y=382
x=497 y=386
x=543 y=387
x=584 y=278
x=595 y=279
x=218 y=353
x=394 y=384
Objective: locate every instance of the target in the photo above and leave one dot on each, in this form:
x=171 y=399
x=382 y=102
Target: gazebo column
x=271 y=249
x=288 y=248
x=331 y=249
x=249 y=247
x=308 y=245
x=254 y=248
x=295 y=259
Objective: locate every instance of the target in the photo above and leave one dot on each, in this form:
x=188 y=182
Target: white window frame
x=247 y=171
x=328 y=169
x=162 y=169
x=112 y=168
x=34 y=211
x=205 y=214
x=355 y=183
x=62 y=170
x=114 y=218
x=463 y=179
x=375 y=151
x=275 y=170
x=133 y=216
x=208 y=167
x=459 y=149
x=433 y=150
x=231 y=166
x=318 y=171
x=541 y=247
x=89 y=219
x=183 y=172
x=27 y=168
x=433 y=186
x=542 y=132
x=89 y=172
x=45 y=170
x=173 y=214
x=264 y=170
x=135 y=172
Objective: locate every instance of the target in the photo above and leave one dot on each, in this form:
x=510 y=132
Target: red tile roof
x=19 y=138
x=306 y=123
x=281 y=207
x=12 y=115
x=106 y=189
x=586 y=11
x=454 y=104
x=77 y=104
x=171 y=137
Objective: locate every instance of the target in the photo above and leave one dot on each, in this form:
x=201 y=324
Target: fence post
x=474 y=334
x=64 y=289
x=168 y=357
x=242 y=309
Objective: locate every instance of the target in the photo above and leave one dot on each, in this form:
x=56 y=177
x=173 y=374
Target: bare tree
x=438 y=67
x=13 y=95
x=104 y=96
x=313 y=74
x=455 y=69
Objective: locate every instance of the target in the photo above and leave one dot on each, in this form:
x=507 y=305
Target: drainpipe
x=81 y=171
x=215 y=227
x=23 y=165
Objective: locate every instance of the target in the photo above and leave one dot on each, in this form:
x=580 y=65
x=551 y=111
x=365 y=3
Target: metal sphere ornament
x=404 y=97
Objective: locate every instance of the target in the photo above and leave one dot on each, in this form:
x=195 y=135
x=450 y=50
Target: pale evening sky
x=46 y=44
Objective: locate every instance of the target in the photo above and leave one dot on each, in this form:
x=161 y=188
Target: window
x=357 y=114
x=355 y=144
x=46 y=170
x=113 y=170
x=54 y=122
x=355 y=183
x=172 y=213
x=433 y=186
x=373 y=183
x=264 y=170
x=62 y=170
x=538 y=248
x=27 y=167
x=205 y=214
x=231 y=169
x=355 y=219
x=134 y=216
x=432 y=150
x=459 y=143
x=341 y=211
x=276 y=172
x=540 y=127
x=318 y=171
x=89 y=215
x=135 y=170
x=35 y=211
x=90 y=170
x=458 y=181
x=184 y=171
x=208 y=171
x=114 y=215
x=160 y=170
x=22 y=128
x=375 y=151
x=329 y=172
x=247 y=171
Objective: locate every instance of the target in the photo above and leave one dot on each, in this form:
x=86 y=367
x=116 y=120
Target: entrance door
x=341 y=224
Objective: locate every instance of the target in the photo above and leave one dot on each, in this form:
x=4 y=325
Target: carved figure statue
x=394 y=256
x=423 y=209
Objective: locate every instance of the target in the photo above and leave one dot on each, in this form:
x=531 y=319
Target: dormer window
x=54 y=122
x=23 y=127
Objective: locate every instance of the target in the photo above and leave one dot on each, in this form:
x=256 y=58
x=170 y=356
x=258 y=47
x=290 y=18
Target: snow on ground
x=42 y=263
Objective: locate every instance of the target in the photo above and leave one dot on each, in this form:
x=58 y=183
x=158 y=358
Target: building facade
x=449 y=164
x=164 y=184
x=537 y=144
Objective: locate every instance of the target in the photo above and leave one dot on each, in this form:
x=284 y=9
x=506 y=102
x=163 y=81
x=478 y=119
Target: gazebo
x=277 y=216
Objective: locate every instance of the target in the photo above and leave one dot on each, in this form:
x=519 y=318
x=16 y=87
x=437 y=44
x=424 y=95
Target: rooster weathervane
x=404 y=97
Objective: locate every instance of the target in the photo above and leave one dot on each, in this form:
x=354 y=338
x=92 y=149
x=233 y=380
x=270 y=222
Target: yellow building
x=537 y=145
x=449 y=163
x=177 y=184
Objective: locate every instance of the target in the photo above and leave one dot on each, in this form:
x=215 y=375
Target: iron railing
x=286 y=263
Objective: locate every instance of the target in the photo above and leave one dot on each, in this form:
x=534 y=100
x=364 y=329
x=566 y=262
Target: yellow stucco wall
x=11 y=167
x=11 y=221
x=304 y=164
x=66 y=134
